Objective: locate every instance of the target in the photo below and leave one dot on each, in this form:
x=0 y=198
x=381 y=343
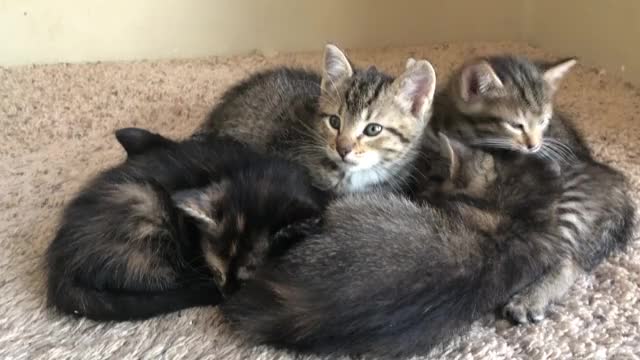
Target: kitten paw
x=523 y=309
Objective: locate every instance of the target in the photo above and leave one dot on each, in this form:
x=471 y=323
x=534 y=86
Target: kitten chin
x=354 y=129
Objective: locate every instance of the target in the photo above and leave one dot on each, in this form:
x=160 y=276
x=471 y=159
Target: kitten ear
x=553 y=74
x=137 y=141
x=479 y=80
x=200 y=204
x=454 y=152
x=337 y=68
x=414 y=89
x=410 y=63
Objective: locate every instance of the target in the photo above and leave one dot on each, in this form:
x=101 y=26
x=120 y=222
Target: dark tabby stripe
x=571 y=226
x=376 y=93
x=569 y=211
x=398 y=134
x=572 y=198
x=524 y=76
x=365 y=89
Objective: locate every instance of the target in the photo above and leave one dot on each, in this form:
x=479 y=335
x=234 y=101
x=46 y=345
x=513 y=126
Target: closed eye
x=516 y=126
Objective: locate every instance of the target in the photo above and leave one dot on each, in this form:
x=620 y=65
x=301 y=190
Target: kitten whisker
x=561 y=148
x=550 y=154
x=542 y=154
x=559 y=154
x=493 y=143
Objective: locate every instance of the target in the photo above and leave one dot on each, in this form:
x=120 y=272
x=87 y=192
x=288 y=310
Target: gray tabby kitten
x=353 y=129
x=506 y=102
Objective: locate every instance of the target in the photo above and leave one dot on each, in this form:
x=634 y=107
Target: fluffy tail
x=406 y=315
x=71 y=298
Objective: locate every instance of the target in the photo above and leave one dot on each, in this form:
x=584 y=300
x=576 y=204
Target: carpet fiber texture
x=57 y=126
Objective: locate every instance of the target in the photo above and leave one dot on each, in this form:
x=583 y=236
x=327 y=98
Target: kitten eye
x=334 y=121
x=372 y=129
x=518 y=127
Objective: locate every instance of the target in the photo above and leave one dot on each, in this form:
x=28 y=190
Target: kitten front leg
x=530 y=304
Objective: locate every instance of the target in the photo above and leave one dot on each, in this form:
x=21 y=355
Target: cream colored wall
x=599 y=32
x=603 y=33
x=46 y=31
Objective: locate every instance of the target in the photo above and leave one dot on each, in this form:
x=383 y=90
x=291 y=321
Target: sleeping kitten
x=353 y=129
x=505 y=102
x=595 y=216
x=402 y=277
x=173 y=226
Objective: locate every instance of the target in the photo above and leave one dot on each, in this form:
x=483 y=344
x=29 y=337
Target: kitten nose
x=344 y=149
x=533 y=142
x=533 y=147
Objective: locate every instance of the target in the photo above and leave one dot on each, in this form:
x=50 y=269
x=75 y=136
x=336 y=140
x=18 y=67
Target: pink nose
x=344 y=149
x=533 y=147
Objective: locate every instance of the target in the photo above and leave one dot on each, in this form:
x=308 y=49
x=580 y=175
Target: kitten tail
x=111 y=306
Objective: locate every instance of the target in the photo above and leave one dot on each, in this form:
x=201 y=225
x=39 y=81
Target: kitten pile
x=349 y=212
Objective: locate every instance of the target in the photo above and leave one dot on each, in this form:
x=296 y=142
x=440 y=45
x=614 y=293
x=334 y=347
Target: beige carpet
x=57 y=123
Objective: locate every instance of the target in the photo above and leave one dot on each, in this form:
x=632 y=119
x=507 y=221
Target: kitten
x=595 y=216
x=506 y=102
x=174 y=226
x=353 y=129
x=402 y=276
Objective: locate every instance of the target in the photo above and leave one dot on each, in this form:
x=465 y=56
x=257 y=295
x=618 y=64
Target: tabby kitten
x=348 y=289
x=353 y=129
x=173 y=226
x=505 y=102
x=595 y=216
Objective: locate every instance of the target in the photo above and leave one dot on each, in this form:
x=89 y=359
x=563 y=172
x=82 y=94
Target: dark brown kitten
x=173 y=226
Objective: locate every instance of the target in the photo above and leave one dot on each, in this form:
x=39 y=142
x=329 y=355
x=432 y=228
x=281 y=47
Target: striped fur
x=290 y=111
x=594 y=213
x=501 y=102
x=595 y=217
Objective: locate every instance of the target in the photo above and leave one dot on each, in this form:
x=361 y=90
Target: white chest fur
x=361 y=180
